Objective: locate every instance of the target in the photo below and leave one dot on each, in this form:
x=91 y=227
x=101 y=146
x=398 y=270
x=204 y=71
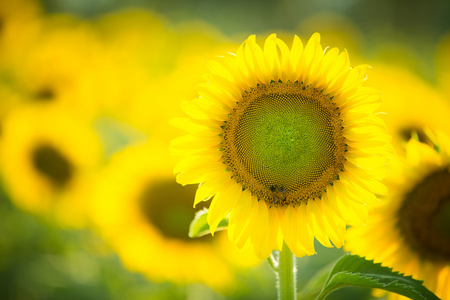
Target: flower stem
x=286 y=275
x=273 y=263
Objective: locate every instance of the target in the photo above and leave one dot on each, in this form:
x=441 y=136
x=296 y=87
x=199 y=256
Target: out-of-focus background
x=89 y=208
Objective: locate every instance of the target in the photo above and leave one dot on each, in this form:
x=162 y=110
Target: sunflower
x=287 y=142
x=20 y=23
x=60 y=67
x=135 y=42
x=144 y=214
x=410 y=230
x=161 y=53
x=190 y=66
x=410 y=104
x=46 y=158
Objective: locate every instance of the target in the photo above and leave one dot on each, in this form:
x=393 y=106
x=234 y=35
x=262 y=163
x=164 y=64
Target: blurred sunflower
x=162 y=54
x=46 y=158
x=57 y=66
x=20 y=23
x=410 y=104
x=145 y=215
x=410 y=230
x=60 y=66
x=287 y=142
x=139 y=44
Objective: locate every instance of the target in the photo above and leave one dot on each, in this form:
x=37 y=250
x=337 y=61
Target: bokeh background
x=89 y=208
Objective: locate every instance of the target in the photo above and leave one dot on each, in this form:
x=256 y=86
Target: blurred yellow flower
x=137 y=50
x=145 y=215
x=409 y=102
x=286 y=141
x=46 y=159
x=410 y=230
x=162 y=64
x=137 y=36
x=60 y=66
x=20 y=24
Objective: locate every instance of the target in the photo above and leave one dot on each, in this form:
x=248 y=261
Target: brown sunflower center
x=52 y=164
x=45 y=94
x=167 y=206
x=284 y=143
x=424 y=217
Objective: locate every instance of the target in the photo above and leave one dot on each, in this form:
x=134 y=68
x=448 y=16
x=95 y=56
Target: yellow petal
x=259 y=231
x=254 y=56
x=239 y=217
x=289 y=228
x=271 y=56
x=314 y=215
x=214 y=183
x=222 y=203
x=305 y=234
x=286 y=68
x=296 y=52
x=311 y=60
x=246 y=231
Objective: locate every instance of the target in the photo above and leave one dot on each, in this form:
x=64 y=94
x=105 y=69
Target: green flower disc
x=284 y=142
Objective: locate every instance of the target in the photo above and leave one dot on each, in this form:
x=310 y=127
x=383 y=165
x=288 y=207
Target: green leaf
x=314 y=285
x=352 y=270
x=200 y=227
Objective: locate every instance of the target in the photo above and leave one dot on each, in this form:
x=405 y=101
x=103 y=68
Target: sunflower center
x=424 y=218
x=52 y=164
x=45 y=94
x=165 y=204
x=284 y=143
